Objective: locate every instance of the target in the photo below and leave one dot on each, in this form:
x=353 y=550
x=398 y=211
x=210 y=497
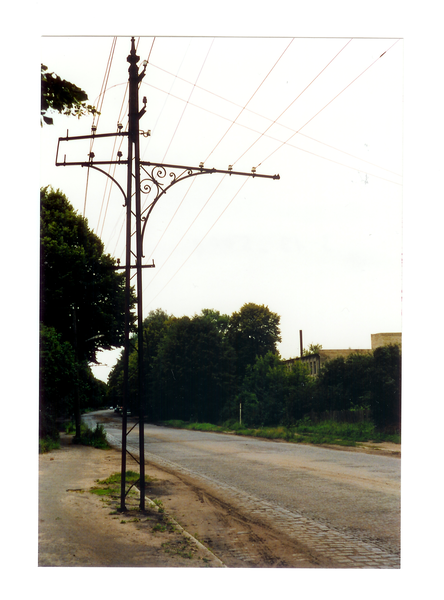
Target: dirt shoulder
x=377 y=448
x=79 y=528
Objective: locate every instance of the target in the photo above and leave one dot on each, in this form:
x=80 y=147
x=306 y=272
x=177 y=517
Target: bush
x=48 y=443
x=93 y=437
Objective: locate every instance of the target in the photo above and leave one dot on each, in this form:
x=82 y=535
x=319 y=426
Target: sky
x=321 y=246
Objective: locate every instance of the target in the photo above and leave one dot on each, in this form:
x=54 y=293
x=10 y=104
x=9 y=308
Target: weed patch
x=92 y=437
x=47 y=444
x=182 y=547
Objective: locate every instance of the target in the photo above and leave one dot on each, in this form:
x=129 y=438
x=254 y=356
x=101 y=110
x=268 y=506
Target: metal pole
x=127 y=326
x=127 y=285
x=133 y=132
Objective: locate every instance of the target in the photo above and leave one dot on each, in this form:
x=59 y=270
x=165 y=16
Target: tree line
x=214 y=368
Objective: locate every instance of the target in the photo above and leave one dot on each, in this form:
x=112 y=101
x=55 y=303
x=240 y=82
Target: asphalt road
x=353 y=494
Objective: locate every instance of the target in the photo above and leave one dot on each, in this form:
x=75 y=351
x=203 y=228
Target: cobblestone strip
x=342 y=550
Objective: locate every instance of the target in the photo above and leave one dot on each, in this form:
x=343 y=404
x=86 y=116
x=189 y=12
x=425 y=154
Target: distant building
x=315 y=361
x=385 y=339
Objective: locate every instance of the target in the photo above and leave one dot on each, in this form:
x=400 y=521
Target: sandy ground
x=79 y=528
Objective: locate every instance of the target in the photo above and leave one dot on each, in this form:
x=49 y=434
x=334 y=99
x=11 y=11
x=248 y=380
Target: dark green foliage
x=370 y=380
x=58 y=377
x=48 y=443
x=81 y=296
x=193 y=367
x=252 y=332
x=82 y=308
x=193 y=375
x=271 y=394
x=62 y=96
x=93 y=437
x=188 y=366
x=386 y=387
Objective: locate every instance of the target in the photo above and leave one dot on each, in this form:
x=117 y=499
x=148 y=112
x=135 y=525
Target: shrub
x=93 y=437
x=48 y=443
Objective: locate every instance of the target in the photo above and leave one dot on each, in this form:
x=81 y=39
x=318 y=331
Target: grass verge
x=304 y=431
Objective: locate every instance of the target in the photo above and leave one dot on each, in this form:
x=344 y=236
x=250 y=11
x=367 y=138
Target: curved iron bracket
x=92 y=166
x=154 y=185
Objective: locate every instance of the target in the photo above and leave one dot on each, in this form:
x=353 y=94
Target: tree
x=386 y=387
x=220 y=321
x=81 y=295
x=252 y=332
x=363 y=380
x=82 y=304
x=64 y=97
x=58 y=379
x=312 y=349
x=271 y=394
x=263 y=391
x=193 y=370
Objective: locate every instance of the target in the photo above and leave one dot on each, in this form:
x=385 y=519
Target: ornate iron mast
x=153 y=180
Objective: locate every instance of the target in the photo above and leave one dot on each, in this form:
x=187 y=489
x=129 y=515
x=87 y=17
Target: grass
x=47 y=444
x=183 y=548
x=110 y=487
x=304 y=431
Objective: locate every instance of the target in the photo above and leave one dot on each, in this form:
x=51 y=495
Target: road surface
x=341 y=507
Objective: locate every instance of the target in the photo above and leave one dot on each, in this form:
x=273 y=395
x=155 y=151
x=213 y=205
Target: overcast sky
x=322 y=246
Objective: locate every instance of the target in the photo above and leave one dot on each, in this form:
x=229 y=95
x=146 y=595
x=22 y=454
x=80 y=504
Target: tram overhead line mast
x=152 y=175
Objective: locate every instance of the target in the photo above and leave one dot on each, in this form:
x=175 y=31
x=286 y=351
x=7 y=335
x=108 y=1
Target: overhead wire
x=251 y=98
x=270 y=136
x=189 y=97
x=293 y=101
x=197 y=246
x=233 y=122
x=112 y=168
x=244 y=183
x=99 y=109
x=328 y=104
x=175 y=131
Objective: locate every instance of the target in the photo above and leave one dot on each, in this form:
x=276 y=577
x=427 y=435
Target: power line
x=232 y=123
x=293 y=101
x=189 y=227
x=328 y=103
x=113 y=168
x=287 y=142
x=102 y=97
x=264 y=134
x=251 y=98
x=189 y=97
x=197 y=246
